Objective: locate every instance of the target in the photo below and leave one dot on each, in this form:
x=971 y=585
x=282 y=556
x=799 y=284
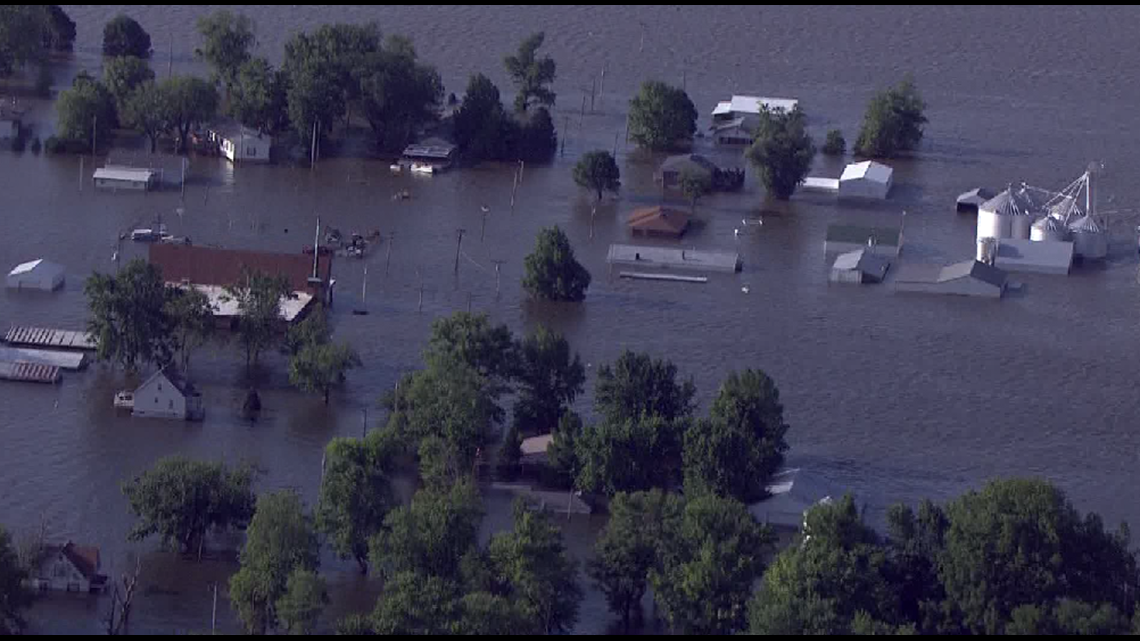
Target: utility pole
x=565 y=132
x=468 y=302
x=593 y=92
x=602 y=82
x=94 y=128
x=615 y=144
x=593 y=215
x=388 y=254
x=420 y=305
x=81 y=174
x=363 y=422
x=458 y=243
x=498 y=264
x=483 y=227
x=313 y=148
x=582 y=114
x=214 y=614
x=170 y=59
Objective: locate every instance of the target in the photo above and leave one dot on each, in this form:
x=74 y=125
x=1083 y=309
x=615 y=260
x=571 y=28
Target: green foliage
x=430 y=536
x=123 y=75
x=259 y=306
x=537 y=140
x=399 y=94
x=182 y=500
x=782 y=151
x=531 y=567
x=472 y=339
x=304 y=599
x=14 y=598
x=661 y=116
x=191 y=319
x=258 y=96
x=486 y=614
x=738 y=449
x=531 y=73
x=356 y=494
x=58 y=29
x=510 y=454
x=835 y=144
x=552 y=272
x=148 y=110
x=562 y=455
x=226 y=41
x=630 y=454
x=893 y=122
x=628 y=548
x=85 y=107
x=312 y=330
x=709 y=559
x=420 y=605
x=323 y=70
x=355 y=625
x=550 y=377
x=481 y=122
x=123 y=36
x=279 y=540
x=637 y=386
x=193 y=101
x=598 y=172
x=128 y=315
x=317 y=367
x=694 y=185
x=21 y=30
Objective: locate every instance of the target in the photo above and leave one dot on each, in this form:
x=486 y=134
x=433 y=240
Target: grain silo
x=1090 y=241
x=1049 y=228
x=1007 y=215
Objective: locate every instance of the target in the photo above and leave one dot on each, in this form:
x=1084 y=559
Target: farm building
x=126 y=178
x=39 y=274
x=859 y=266
x=968 y=278
x=238 y=143
x=867 y=179
x=166 y=394
x=68 y=568
x=884 y=241
x=659 y=221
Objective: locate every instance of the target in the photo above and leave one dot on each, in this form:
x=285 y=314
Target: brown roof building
x=659 y=221
x=221 y=267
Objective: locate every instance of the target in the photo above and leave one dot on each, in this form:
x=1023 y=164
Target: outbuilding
x=867 y=179
x=659 y=221
x=238 y=143
x=39 y=274
x=858 y=267
x=166 y=394
x=126 y=178
x=968 y=278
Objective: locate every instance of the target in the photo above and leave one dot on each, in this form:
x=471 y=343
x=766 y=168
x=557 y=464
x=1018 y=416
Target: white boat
x=125 y=400
x=147 y=234
x=396 y=168
x=423 y=168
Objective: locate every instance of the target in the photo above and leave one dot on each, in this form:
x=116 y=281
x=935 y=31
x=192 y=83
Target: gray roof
x=863 y=260
x=975 y=196
x=1009 y=203
x=689 y=162
x=888 y=236
x=973 y=269
x=1085 y=224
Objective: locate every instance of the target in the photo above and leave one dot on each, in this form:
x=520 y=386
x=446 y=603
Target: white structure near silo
x=1006 y=215
x=1049 y=229
x=39 y=274
x=1069 y=214
x=867 y=179
x=238 y=143
x=968 y=278
x=1089 y=240
x=1033 y=256
x=859 y=266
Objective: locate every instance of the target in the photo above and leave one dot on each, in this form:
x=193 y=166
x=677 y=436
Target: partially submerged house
x=735 y=120
x=126 y=178
x=433 y=152
x=68 y=568
x=534 y=449
x=238 y=143
x=867 y=179
x=42 y=275
x=884 y=241
x=659 y=221
x=859 y=266
x=210 y=270
x=967 y=278
x=674 y=169
x=167 y=394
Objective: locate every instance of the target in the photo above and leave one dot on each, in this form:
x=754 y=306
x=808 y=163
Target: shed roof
x=973 y=269
x=434 y=149
x=888 y=236
x=232 y=130
x=689 y=162
x=33 y=265
x=536 y=444
x=174 y=377
x=124 y=173
x=215 y=266
x=85 y=558
x=659 y=220
x=975 y=196
x=868 y=170
x=1009 y=203
x=753 y=105
x=862 y=260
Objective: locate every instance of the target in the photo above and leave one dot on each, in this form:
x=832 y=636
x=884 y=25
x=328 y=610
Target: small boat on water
x=148 y=234
x=423 y=168
x=396 y=168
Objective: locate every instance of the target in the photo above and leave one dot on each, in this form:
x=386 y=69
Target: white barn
x=68 y=568
x=167 y=395
x=238 y=143
x=39 y=274
x=867 y=179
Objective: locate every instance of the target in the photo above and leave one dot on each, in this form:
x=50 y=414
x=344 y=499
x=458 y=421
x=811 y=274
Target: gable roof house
x=735 y=120
x=167 y=394
x=68 y=568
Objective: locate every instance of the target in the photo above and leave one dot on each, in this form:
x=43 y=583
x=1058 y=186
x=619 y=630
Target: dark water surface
x=893 y=397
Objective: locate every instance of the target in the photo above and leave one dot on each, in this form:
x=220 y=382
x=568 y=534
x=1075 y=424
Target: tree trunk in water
x=326 y=396
x=363 y=561
x=200 y=539
x=153 y=143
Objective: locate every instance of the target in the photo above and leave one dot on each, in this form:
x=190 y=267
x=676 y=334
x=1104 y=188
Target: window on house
x=170 y=404
x=251 y=152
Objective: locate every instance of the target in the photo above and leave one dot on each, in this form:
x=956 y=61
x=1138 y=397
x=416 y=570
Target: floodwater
x=892 y=397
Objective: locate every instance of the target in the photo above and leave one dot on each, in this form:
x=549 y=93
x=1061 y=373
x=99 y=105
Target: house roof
x=973 y=269
x=215 y=266
x=37 y=264
x=85 y=558
x=869 y=170
x=124 y=173
x=232 y=130
x=536 y=444
x=888 y=236
x=975 y=196
x=689 y=162
x=174 y=377
x=432 y=148
x=862 y=260
x=753 y=105
x=659 y=220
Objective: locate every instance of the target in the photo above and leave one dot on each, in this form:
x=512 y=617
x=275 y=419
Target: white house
x=69 y=568
x=735 y=120
x=166 y=394
x=128 y=178
x=39 y=274
x=867 y=179
x=240 y=143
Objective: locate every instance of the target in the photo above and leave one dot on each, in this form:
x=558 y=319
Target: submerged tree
x=598 y=172
x=191 y=318
x=124 y=36
x=123 y=75
x=695 y=185
x=550 y=377
x=128 y=315
x=148 y=110
x=22 y=29
x=893 y=122
x=305 y=598
x=84 y=110
x=552 y=272
x=399 y=94
x=431 y=536
x=226 y=41
x=58 y=30
x=258 y=296
x=661 y=117
x=193 y=101
x=638 y=385
x=318 y=367
x=356 y=493
x=14 y=597
x=531 y=73
x=782 y=152
x=258 y=96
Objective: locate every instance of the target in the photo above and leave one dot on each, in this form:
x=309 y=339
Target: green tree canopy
x=305 y=598
x=191 y=318
x=552 y=272
x=147 y=110
x=258 y=296
x=598 y=172
x=472 y=339
x=628 y=548
x=318 y=367
x=14 y=598
x=324 y=69
x=312 y=330
x=782 y=151
x=835 y=144
x=531 y=73
x=630 y=454
x=661 y=117
x=893 y=122
x=550 y=377
x=481 y=124
x=193 y=101
x=83 y=110
x=258 y=96
x=531 y=567
x=226 y=41
x=279 y=540
x=356 y=493
x=124 y=74
x=738 y=449
x=22 y=27
x=182 y=500
x=709 y=559
x=638 y=385
x=399 y=94
x=124 y=36
x=58 y=30
x=430 y=536
x=562 y=462
x=128 y=315
x=694 y=185
x=416 y=604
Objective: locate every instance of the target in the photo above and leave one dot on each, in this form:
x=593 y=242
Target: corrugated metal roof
x=1009 y=203
x=869 y=170
x=124 y=173
x=753 y=105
